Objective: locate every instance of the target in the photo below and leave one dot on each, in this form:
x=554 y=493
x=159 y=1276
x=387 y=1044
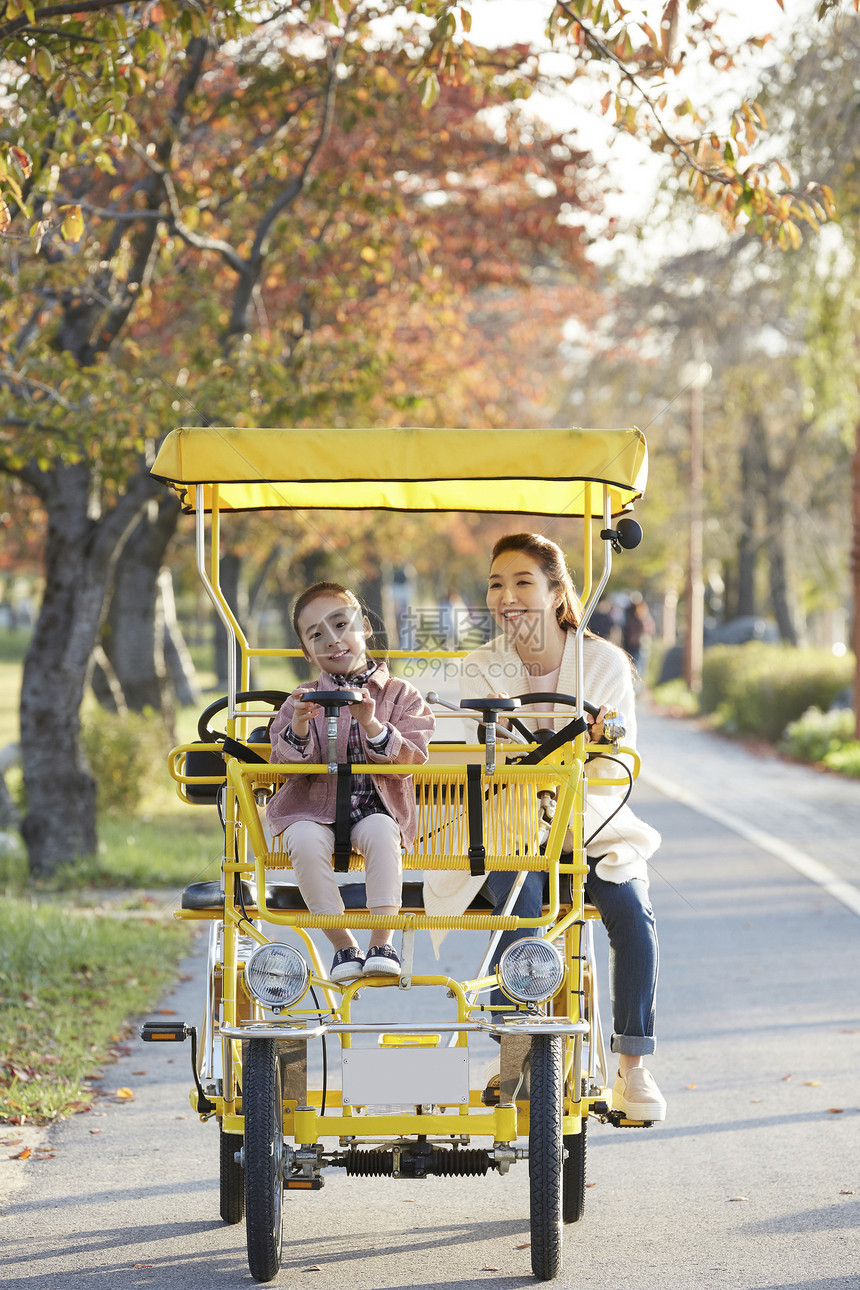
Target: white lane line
x=804 y=864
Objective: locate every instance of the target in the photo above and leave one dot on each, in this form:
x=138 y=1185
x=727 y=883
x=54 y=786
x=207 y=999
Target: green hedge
x=825 y=738
x=759 y=689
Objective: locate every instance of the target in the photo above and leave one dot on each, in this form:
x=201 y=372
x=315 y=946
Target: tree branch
x=23 y=23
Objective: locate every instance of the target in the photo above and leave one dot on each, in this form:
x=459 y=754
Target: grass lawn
x=70 y=975
x=68 y=980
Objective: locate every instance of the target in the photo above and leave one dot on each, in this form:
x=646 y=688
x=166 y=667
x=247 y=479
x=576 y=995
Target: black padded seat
x=354 y=896
x=205 y=896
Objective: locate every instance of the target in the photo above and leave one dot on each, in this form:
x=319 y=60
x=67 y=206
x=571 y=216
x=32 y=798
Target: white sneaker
x=636 y=1095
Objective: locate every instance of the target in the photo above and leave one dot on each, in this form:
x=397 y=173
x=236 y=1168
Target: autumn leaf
x=734 y=1198
x=126 y=1094
x=812 y=1083
x=72 y=227
x=25 y=165
x=835 y=1110
x=23 y=1155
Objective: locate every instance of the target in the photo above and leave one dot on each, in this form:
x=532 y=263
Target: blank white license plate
x=374 y=1076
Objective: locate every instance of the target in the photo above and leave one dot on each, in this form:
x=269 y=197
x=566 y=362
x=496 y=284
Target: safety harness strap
x=342 y=822
x=475 y=815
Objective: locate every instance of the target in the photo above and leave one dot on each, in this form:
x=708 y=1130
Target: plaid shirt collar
x=355 y=679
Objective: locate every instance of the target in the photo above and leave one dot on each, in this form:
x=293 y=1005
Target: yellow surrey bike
x=407 y=1107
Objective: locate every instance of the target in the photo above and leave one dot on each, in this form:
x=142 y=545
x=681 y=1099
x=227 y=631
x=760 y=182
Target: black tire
x=263 y=1108
x=545 y=1156
x=573 y=1177
x=232 y=1179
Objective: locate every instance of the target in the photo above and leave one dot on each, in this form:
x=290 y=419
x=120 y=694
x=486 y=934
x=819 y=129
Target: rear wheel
x=573 y=1177
x=232 y=1179
x=545 y=1156
x=263 y=1107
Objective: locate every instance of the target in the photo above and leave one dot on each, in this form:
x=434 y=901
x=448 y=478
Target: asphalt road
x=753 y=1182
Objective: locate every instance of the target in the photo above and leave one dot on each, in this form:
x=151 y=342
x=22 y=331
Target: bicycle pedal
x=164 y=1032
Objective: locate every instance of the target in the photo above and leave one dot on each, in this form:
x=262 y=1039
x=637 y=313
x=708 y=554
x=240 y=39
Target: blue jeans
x=633 y=955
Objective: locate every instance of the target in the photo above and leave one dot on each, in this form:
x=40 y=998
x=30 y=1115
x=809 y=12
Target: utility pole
x=697 y=374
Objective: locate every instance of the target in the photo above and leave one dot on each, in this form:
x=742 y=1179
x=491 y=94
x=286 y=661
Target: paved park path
x=753 y=1182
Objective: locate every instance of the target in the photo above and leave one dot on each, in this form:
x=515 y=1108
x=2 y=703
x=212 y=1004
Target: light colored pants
x=376 y=837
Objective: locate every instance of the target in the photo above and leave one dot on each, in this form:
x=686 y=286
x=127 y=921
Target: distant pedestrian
x=637 y=628
x=602 y=620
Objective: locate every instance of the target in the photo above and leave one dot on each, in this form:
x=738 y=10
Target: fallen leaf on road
x=756 y=1099
x=692 y=1086
x=141 y=1265
x=23 y=1155
x=847 y=1192
x=315 y=1267
x=166 y=1012
x=785 y=1078
x=10 y=1142
x=410 y=1201
x=591 y=1184
x=126 y=1094
x=812 y=1083
x=732 y=1198
x=489 y=1267
x=836 y=1110
x=96 y=1130
x=525 y=1246
x=138 y=1072
x=849 y=1032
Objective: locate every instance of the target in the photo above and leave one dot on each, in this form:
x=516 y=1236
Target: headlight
x=277 y=975
x=531 y=970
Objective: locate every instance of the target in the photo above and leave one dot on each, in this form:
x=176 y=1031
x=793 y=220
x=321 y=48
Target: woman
x=532 y=600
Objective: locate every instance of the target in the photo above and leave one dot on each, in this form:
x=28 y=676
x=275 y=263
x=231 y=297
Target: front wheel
x=263 y=1108
x=573 y=1182
x=545 y=1156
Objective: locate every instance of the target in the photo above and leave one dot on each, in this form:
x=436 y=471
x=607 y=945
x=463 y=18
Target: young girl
x=392 y=723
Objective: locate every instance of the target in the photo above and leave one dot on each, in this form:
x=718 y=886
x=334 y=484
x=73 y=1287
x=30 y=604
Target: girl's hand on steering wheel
x=595 y=725
x=303 y=710
x=365 y=714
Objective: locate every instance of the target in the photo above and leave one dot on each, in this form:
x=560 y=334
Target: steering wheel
x=331 y=700
x=568 y=700
x=275 y=697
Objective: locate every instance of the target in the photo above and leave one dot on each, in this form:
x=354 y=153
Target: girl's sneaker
x=347 y=965
x=382 y=960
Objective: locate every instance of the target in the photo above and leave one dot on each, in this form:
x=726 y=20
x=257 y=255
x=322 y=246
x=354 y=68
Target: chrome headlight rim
x=540 y=952
x=287 y=986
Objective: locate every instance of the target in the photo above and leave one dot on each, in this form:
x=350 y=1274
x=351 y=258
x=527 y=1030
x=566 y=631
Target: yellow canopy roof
x=533 y=472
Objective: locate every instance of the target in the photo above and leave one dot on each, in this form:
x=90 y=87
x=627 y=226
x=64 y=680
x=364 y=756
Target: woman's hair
x=311 y=593
x=551 y=560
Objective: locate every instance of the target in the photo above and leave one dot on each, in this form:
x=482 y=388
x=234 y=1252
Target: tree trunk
x=747 y=544
x=236 y=594
x=135 y=626
x=178 y=660
x=60 y=824
x=774 y=481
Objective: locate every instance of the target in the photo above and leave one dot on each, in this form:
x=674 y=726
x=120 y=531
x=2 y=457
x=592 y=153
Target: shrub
x=126 y=753
x=760 y=689
x=817 y=733
x=845 y=759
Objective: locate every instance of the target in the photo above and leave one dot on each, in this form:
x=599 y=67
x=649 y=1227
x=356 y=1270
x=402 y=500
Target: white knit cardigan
x=626 y=843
